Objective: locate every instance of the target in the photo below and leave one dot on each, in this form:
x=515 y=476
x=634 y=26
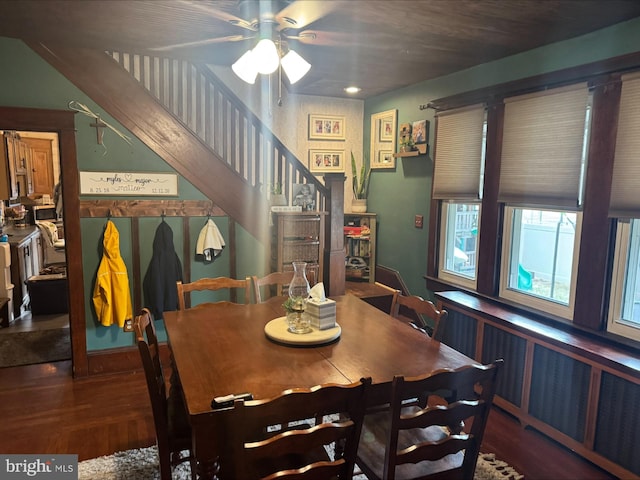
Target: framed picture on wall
x=386 y=130
x=326 y=160
x=304 y=195
x=326 y=127
x=385 y=159
x=405 y=132
x=420 y=131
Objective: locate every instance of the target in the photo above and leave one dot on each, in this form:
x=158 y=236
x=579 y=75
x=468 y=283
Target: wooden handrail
x=221 y=121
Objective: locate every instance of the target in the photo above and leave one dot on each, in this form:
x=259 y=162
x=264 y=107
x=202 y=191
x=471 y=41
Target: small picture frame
x=326 y=127
x=326 y=160
x=420 y=131
x=405 y=132
x=385 y=159
x=304 y=195
x=386 y=130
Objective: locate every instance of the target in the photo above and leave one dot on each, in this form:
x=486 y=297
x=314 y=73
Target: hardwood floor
x=46 y=411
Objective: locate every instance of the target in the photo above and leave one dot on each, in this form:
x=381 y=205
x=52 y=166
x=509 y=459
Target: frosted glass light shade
x=245 y=68
x=294 y=66
x=265 y=56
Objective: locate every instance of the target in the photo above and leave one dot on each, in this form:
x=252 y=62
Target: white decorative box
x=322 y=313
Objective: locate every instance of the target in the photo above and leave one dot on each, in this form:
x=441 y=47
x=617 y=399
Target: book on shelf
x=286 y=208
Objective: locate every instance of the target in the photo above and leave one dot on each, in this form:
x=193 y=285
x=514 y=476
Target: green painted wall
x=395 y=195
x=28 y=81
x=398 y=195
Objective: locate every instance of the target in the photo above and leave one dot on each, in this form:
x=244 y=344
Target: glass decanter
x=298 y=293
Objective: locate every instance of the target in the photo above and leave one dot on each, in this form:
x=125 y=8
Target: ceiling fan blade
x=300 y=13
x=318 y=37
x=220 y=14
x=200 y=43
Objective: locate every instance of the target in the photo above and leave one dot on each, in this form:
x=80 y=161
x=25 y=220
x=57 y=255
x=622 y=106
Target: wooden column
x=334 y=273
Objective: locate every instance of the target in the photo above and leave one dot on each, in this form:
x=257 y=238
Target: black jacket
x=165 y=269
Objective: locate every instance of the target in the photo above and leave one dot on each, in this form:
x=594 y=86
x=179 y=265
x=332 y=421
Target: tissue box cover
x=322 y=313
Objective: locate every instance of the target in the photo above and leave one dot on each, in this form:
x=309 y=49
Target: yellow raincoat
x=111 y=295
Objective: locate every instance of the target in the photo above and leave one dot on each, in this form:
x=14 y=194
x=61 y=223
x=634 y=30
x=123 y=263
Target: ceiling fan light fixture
x=294 y=66
x=265 y=57
x=245 y=68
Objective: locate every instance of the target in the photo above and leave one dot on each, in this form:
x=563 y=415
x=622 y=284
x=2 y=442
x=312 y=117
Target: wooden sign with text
x=128 y=183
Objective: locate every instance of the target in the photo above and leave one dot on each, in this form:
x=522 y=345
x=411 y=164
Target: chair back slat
x=424 y=441
x=422 y=308
x=277 y=280
x=213 y=284
x=170 y=443
x=298 y=451
x=276 y=283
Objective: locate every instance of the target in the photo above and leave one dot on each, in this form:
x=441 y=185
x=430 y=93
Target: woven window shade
x=625 y=186
x=542 y=147
x=458 y=158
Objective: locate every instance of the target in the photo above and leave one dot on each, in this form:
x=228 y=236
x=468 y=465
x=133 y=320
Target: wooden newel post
x=334 y=276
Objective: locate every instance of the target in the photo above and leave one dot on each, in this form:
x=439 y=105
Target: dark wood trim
x=149 y=208
x=433 y=235
x=490 y=215
x=592 y=279
x=137 y=275
x=585 y=348
x=186 y=254
x=624 y=362
x=595 y=254
x=333 y=271
x=96 y=74
x=576 y=74
x=62 y=122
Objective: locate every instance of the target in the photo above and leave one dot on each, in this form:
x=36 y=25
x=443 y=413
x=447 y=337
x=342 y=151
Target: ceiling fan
x=261 y=17
x=281 y=22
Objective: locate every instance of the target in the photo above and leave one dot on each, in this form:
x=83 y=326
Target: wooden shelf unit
x=361 y=246
x=298 y=237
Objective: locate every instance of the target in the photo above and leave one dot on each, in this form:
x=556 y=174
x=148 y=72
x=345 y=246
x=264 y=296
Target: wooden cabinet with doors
x=16 y=167
x=298 y=237
x=24 y=172
x=26 y=254
x=41 y=165
x=9 y=151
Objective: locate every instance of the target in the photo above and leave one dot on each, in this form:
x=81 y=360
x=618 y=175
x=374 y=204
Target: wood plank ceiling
x=379 y=45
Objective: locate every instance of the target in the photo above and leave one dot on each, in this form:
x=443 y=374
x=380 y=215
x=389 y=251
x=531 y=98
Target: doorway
x=62 y=122
x=40 y=331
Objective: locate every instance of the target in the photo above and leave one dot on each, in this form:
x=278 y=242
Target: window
x=624 y=305
x=539 y=255
x=459 y=243
x=624 y=313
x=457 y=182
x=543 y=163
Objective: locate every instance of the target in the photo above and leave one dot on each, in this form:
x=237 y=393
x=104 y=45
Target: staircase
x=188 y=117
x=203 y=104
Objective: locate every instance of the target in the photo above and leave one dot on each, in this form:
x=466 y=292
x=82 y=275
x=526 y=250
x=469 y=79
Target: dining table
x=222 y=349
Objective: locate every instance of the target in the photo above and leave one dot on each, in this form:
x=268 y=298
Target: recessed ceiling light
x=352 y=89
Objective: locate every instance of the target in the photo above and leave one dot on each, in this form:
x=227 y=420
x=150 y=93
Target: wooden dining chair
x=173 y=433
x=437 y=441
x=234 y=285
x=299 y=451
x=274 y=283
x=420 y=307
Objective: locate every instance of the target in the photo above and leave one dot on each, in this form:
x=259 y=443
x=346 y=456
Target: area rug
x=37 y=346
x=142 y=464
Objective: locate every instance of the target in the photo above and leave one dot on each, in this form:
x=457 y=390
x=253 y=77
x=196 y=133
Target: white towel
x=210 y=242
